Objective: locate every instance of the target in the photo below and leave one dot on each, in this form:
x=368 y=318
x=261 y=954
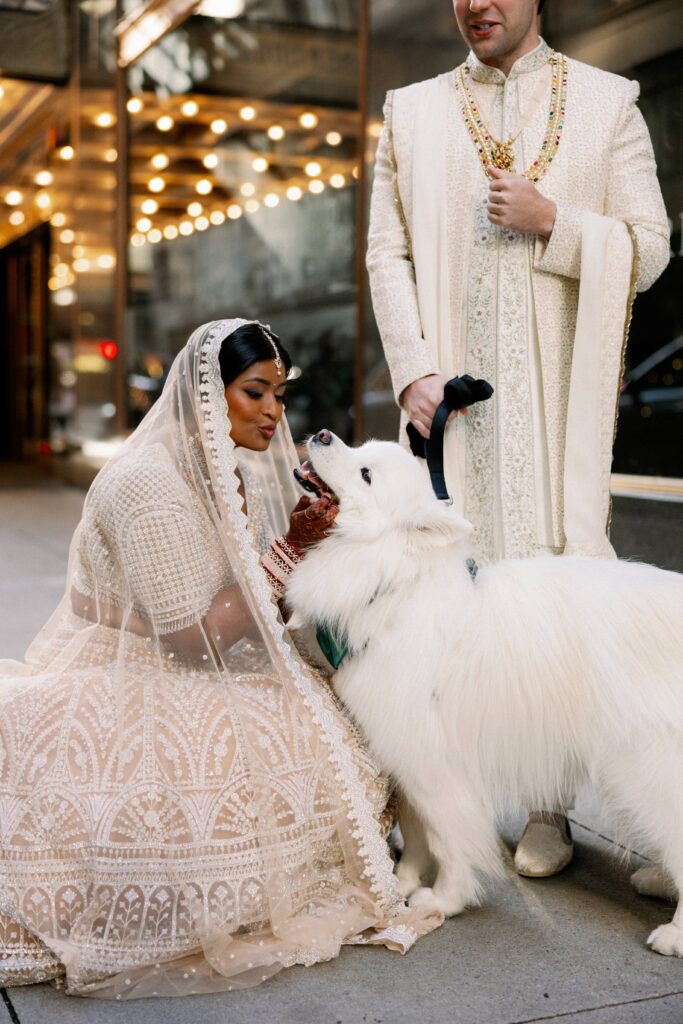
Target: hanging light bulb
x=66 y=153
x=149 y=206
x=66 y=236
x=170 y=232
x=219 y=126
x=14 y=197
x=110 y=155
x=143 y=224
x=313 y=168
x=159 y=161
x=194 y=209
x=276 y=132
x=137 y=240
x=58 y=219
x=333 y=139
x=271 y=200
x=105 y=261
x=316 y=186
x=247 y=189
x=247 y=113
x=134 y=105
x=294 y=193
x=104 y=120
x=217 y=217
x=201 y=223
x=156 y=184
x=234 y=211
x=190 y=108
x=16 y=218
x=260 y=164
x=337 y=181
x=154 y=236
x=308 y=119
x=43 y=200
x=204 y=187
x=43 y=178
x=186 y=227
x=165 y=123
x=252 y=205
x=210 y=161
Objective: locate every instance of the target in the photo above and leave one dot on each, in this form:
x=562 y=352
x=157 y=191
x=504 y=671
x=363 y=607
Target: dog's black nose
x=323 y=437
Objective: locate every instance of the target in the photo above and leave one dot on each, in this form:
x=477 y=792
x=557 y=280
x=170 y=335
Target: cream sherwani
x=544 y=322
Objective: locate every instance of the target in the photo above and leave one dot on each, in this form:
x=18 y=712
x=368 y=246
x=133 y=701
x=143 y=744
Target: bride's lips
x=267 y=431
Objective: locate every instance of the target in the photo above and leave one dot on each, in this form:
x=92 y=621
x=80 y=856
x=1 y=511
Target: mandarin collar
x=532 y=61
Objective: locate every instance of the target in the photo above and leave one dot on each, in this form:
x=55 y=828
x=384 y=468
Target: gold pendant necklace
x=493 y=152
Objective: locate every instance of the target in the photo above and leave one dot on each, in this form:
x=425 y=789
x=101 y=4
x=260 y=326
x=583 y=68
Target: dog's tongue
x=307 y=477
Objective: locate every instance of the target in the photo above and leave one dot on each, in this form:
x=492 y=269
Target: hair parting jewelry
x=267 y=333
x=499 y=154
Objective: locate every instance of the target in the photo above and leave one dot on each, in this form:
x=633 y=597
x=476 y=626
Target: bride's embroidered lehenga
x=183 y=805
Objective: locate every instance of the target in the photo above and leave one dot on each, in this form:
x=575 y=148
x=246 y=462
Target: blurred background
x=174 y=161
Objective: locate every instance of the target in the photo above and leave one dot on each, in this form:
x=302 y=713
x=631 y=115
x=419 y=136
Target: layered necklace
x=494 y=153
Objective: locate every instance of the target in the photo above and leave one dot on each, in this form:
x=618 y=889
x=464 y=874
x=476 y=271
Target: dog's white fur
x=510 y=689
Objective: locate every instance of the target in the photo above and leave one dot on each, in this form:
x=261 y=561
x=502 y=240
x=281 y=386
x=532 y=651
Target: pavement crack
x=13 y=1015
x=594 y=1009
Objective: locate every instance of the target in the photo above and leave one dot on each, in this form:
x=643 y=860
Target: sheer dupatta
x=183 y=806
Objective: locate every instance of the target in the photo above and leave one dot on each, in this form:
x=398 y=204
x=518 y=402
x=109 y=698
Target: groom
x=515 y=211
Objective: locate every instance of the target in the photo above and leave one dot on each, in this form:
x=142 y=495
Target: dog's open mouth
x=307 y=478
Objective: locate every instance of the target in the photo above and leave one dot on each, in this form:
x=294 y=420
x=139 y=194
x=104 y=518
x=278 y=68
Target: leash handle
x=459 y=393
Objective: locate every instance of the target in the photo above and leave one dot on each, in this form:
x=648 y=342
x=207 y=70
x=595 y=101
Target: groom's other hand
x=421 y=399
x=516 y=204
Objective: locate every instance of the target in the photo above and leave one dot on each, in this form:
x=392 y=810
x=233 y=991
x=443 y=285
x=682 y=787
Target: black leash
x=459 y=393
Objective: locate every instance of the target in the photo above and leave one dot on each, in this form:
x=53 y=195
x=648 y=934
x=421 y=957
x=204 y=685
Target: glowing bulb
x=316 y=186
x=308 y=120
x=313 y=168
x=149 y=206
x=14 y=197
x=333 y=139
x=44 y=178
x=247 y=189
x=247 y=113
x=194 y=209
x=67 y=236
x=204 y=186
x=165 y=123
x=43 y=200
x=276 y=132
x=170 y=232
x=104 y=120
x=81 y=264
x=64 y=297
x=294 y=193
x=67 y=153
x=78 y=251
x=234 y=211
x=252 y=205
x=106 y=261
x=337 y=181
x=16 y=218
x=154 y=236
x=201 y=223
x=217 y=217
x=137 y=240
x=143 y=224
x=271 y=200
x=219 y=126
x=110 y=155
x=186 y=227
x=260 y=164
x=210 y=161
x=356 y=172
x=134 y=105
x=58 y=219
x=159 y=161
x=61 y=270
x=190 y=108
x=156 y=184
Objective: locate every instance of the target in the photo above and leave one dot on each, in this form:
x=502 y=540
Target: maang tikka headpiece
x=267 y=333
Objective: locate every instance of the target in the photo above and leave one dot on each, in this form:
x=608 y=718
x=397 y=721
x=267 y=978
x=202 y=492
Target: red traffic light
x=109 y=349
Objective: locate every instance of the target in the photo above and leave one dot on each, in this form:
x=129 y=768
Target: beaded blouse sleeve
x=633 y=196
x=391 y=271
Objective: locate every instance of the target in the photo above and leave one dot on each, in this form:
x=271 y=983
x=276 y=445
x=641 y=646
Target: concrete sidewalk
x=568 y=949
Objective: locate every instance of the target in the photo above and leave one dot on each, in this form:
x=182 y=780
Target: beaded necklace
x=500 y=154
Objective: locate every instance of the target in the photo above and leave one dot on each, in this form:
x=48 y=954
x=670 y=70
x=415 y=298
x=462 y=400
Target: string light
x=308 y=119
x=61 y=270
x=260 y=164
x=159 y=161
x=137 y=240
x=294 y=193
x=186 y=227
x=356 y=172
x=217 y=217
x=106 y=261
x=165 y=123
x=247 y=113
x=247 y=189
x=252 y=205
x=143 y=224
x=219 y=126
x=337 y=181
x=204 y=187
x=190 y=108
x=271 y=200
x=276 y=132
x=210 y=161
x=234 y=211
x=82 y=264
x=66 y=153
x=134 y=105
x=313 y=168
x=14 y=197
x=104 y=120
x=149 y=206
x=43 y=200
x=316 y=186
x=194 y=209
x=110 y=155
x=154 y=236
x=44 y=178
x=16 y=218
x=333 y=139
x=67 y=236
x=156 y=185
x=201 y=223
x=78 y=251
x=170 y=232
x=58 y=219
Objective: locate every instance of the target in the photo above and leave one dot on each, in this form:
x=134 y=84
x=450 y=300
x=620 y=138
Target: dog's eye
x=366 y=474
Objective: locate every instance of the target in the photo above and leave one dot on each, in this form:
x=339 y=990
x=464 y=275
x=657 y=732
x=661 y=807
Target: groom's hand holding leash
x=421 y=399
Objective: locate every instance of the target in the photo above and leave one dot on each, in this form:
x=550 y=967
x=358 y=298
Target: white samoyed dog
x=507 y=688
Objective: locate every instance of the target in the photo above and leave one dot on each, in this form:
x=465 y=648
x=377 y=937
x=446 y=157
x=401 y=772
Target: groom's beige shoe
x=546 y=846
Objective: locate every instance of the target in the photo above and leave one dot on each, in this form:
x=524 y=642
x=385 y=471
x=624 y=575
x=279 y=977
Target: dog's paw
x=667 y=940
x=430 y=899
x=408 y=880
x=654 y=881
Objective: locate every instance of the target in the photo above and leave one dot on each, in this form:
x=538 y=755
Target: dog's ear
x=439 y=526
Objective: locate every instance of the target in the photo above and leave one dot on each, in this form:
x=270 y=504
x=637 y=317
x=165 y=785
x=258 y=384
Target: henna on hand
x=310 y=522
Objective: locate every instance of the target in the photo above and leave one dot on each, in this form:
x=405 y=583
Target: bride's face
x=256 y=401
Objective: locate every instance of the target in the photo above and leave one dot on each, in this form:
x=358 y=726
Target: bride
x=184 y=807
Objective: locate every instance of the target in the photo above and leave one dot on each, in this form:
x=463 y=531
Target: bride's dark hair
x=247 y=345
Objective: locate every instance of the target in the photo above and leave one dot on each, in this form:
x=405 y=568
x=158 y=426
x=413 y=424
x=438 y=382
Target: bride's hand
x=310 y=522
